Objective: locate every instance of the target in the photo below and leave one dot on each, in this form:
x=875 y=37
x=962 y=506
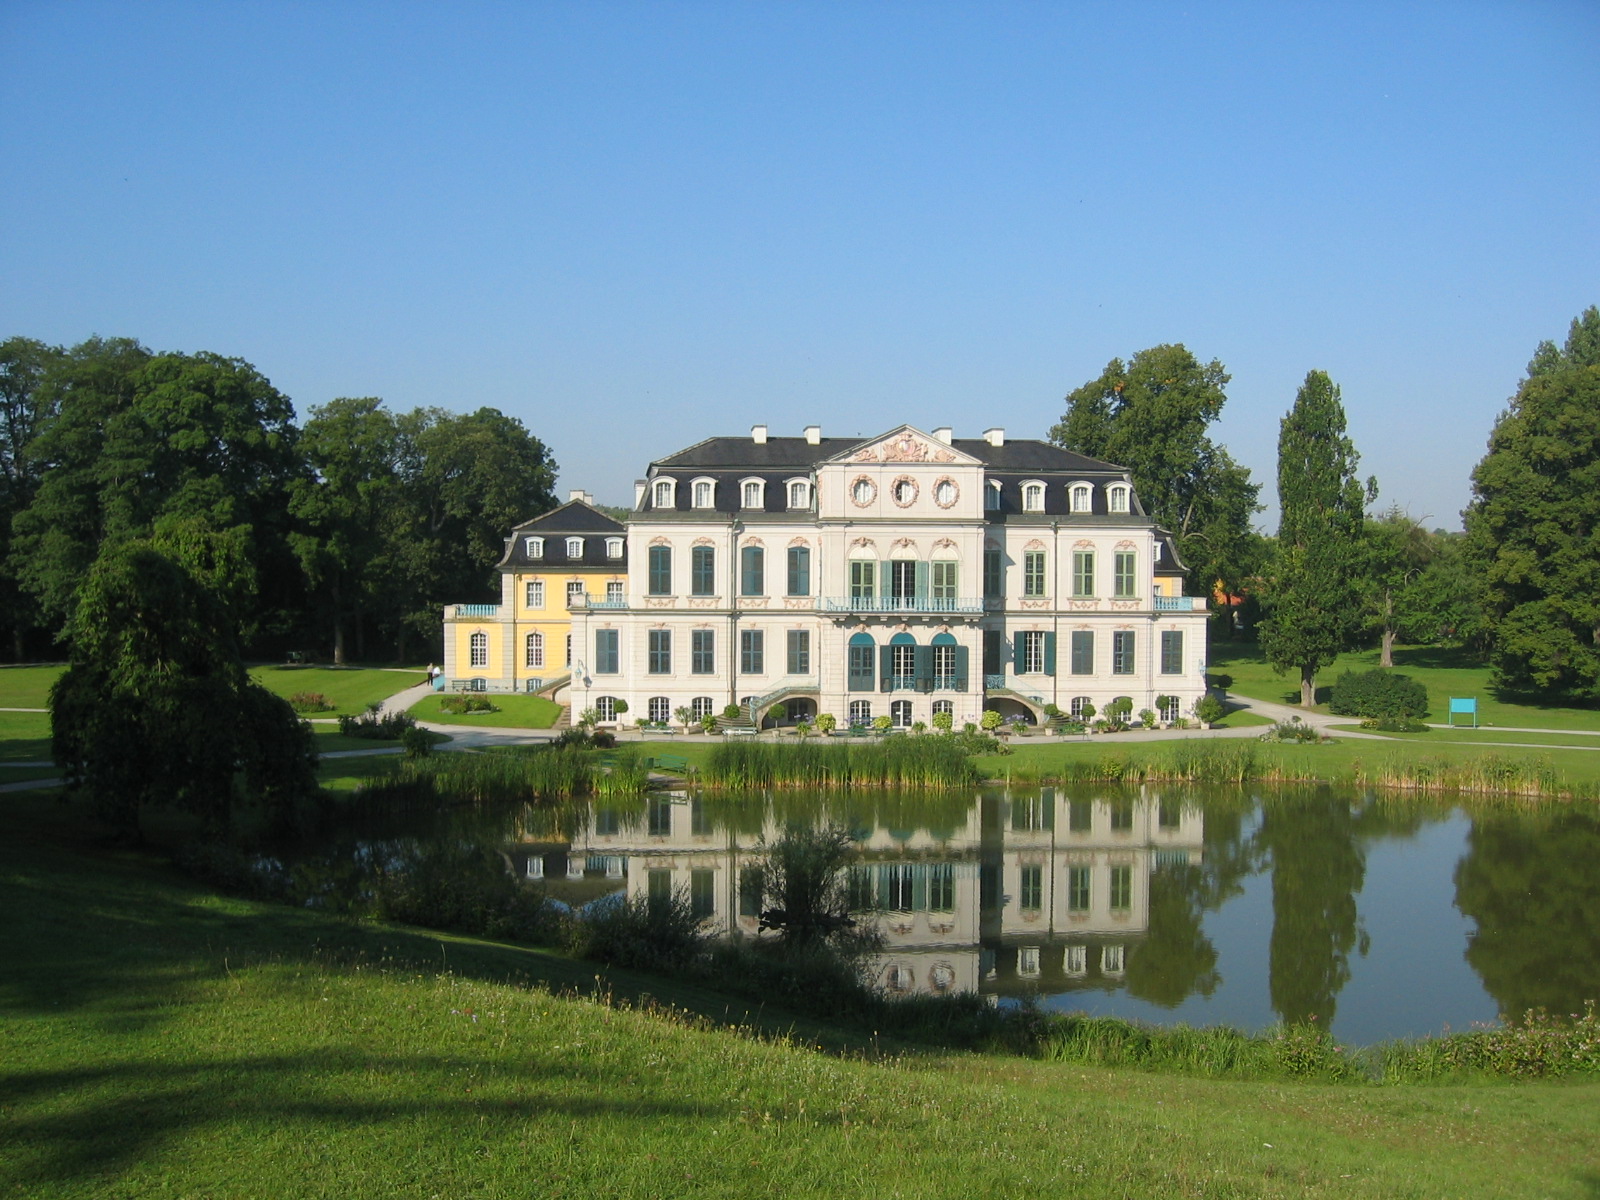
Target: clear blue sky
x=637 y=225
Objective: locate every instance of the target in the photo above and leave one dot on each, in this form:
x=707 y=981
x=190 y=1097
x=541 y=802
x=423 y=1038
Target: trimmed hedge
x=1378 y=694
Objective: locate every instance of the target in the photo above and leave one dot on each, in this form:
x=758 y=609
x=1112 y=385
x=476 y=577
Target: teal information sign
x=1464 y=706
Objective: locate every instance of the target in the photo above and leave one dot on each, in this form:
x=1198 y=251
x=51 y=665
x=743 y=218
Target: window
x=944 y=662
x=861 y=662
x=1122 y=652
x=568 y=660
x=1078 y=889
x=799 y=562
x=659 y=579
x=899 y=887
x=613 y=547
x=575 y=593
x=1122 y=817
x=752 y=656
x=659 y=660
x=533 y=650
x=945 y=493
x=703 y=652
x=1121 y=887
x=1033 y=497
x=1171 y=653
x=903 y=579
x=1075 y=960
x=606 y=708
x=702 y=892
x=799 y=494
x=1122 y=563
x=479 y=650
x=861 y=712
x=863 y=578
x=1080 y=819
x=659 y=708
x=1083 y=652
x=903 y=661
x=1079 y=704
x=993 y=651
x=1032 y=898
x=1083 y=572
x=942 y=887
x=993 y=571
x=946 y=576
x=1170 y=708
x=705 y=493
x=534 y=547
x=1117 y=498
x=863 y=491
x=991 y=496
x=665 y=493
x=1028 y=961
x=1082 y=498
x=944 y=706
x=798 y=653
x=752 y=571
x=605 y=651
x=1035 y=653
x=701 y=707
x=533 y=594
x=614 y=591
x=703 y=571
x=575 y=547
x=1033 y=573
x=751 y=494
x=900 y=714
x=903 y=492
x=1113 y=959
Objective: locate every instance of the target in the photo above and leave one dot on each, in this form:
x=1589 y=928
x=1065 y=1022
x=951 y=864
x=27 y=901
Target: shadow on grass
x=96 y=1122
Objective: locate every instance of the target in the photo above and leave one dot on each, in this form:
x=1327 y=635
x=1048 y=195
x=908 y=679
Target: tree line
x=344 y=535
x=1521 y=586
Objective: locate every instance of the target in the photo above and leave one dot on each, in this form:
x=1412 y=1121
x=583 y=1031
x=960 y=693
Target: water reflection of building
x=1032 y=890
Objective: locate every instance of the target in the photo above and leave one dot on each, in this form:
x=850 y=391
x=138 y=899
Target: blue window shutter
x=885 y=668
x=961 y=668
x=1049 y=654
x=1019 y=656
x=922 y=581
x=924 y=668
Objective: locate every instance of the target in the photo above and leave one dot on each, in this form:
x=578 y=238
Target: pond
x=1379 y=918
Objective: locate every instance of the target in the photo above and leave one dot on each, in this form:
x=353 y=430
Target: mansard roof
x=572 y=519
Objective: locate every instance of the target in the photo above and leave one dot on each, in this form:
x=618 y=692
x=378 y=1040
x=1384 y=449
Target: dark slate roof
x=728 y=460
x=572 y=519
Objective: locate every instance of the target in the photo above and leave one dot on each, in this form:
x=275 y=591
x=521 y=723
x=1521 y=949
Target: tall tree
x=1152 y=415
x=1315 y=601
x=1399 y=549
x=136 y=439
x=24 y=408
x=1533 y=528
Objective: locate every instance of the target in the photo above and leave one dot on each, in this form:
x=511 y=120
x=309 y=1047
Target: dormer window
x=613 y=547
x=665 y=493
x=1117 y=497
x=1033 y=496
x=799 y=493
x=533 y=547
x=1082 y=495
x=991 y=496
x=752 y=493
x=705 y=493
x=575 y=547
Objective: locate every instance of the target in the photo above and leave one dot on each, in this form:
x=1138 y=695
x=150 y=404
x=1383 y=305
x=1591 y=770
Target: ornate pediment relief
x=907 y=445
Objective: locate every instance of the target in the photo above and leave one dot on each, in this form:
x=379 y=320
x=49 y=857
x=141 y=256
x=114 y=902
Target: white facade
x=897 y=576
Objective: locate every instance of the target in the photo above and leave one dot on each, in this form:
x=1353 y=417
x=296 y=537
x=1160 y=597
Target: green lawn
x=516 y=712
x=27 y=687
x=24 y=737
x=1445 y=671
x=163 y=1041
x=350 y=689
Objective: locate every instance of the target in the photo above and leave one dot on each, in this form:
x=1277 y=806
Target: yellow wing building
x=571 y=557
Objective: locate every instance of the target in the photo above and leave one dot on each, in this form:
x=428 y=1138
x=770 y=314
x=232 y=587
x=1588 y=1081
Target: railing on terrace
x=577 y=602
x=475 y=610
x=901 y=604
x=796 y=683
x=1180 y=604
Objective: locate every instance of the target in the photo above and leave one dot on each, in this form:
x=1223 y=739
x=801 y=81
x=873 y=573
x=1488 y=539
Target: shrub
x=1208 y=709
x=708 y=723
x=460 y=705
x=1292 y=730
x=374 y=724
x=1378 y=693
x=944 y=722
x=991 y=720
x=731 y=712
x=653 y=933
x=1147 y=717
x=416 y=742
x=311 y=702
x=827 y=722
x=1394 y=725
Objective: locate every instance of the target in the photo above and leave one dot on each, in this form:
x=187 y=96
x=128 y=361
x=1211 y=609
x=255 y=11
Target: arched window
x=613 y=547
x=701 y=707
x=861 y=664
x=900 y=714
x=949 y=664
x=944 y=706
x=1033 y=496
x=660 y=708
x=1117 y=498
x=533 y=547
x=902 y=661
x=534 y=656
x=861 y=712
x=606 y=706
x=799 y=493
x=991 y=496
x=665 y=493
x=752 y=493
x=479 y=649
x=1077 y=707
x=1082 y=496
x=705 y=493
x=575 y=547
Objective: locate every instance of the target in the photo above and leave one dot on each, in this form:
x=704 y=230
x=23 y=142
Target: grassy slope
x=516 y=712
x=1444 y=671
x=162 y=1041
x=350 y=689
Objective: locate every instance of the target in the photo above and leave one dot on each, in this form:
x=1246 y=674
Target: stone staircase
x=564 y=719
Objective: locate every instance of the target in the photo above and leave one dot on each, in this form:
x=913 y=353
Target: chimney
x=578 y=494
x=638 y=492
x=758 y=434
x=813 y=435
x=943 y=434
x=995 y=437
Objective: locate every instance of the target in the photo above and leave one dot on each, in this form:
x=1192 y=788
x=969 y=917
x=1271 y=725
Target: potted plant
x=919 y=727
x=1208 y=710
x=685 y=716
x=708 y=723
x=827 y=723
x=881 y=724
x=1147 y=717
x=944 y=722
x=1086 y=715
x=990 y=720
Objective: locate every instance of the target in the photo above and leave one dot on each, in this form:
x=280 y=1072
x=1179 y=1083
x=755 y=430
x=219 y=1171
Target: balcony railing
x=468 y=611
x=1180 y=604
x=901 y=604
x=593 y=602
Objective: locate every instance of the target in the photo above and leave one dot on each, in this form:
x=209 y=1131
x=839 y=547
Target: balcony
x=470 y=611
x=900 y=604
x=574 y=603
x=1180 y=604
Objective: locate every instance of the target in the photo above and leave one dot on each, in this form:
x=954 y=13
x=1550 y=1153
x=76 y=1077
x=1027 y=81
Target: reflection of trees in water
x=1533 y=887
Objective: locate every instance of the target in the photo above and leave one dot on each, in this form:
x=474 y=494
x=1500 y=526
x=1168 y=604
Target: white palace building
x=899 y=575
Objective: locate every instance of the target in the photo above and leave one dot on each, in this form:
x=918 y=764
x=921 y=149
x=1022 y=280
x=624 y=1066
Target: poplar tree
x=1315 y=602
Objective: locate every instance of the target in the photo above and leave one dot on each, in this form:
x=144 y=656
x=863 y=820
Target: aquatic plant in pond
x=897 y=762
x=553 y=773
